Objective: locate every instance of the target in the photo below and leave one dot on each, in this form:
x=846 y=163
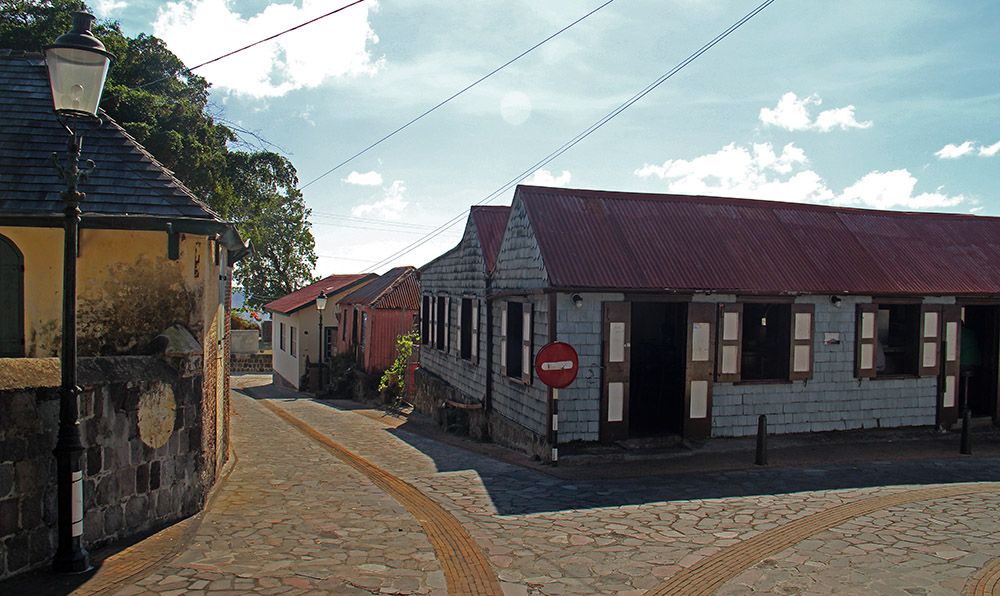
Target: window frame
x=291 y=340
x=466 y=327
x=281 y=336
x=783 y=339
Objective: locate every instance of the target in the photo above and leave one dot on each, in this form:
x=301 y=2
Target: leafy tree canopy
x=168 y=110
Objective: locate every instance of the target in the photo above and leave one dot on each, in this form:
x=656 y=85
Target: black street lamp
x=78 y=66
x=321 y=306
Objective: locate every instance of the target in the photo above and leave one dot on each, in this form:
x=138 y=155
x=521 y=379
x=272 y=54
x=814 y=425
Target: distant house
x=154 y=271
x=454 y=321
x=694 y=315
x=374 y=316
x=295 y=325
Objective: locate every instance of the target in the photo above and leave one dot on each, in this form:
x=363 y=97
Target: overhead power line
x=582 y=135
x=452 y=96
x=256 y=43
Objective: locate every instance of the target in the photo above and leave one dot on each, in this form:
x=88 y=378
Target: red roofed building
x=375 y=315
x=694 y=315
x=296 y=336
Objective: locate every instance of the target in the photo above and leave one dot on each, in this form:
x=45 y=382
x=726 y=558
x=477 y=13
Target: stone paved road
x=294 y=519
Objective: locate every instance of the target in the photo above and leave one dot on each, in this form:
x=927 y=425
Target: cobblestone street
x=326 y=499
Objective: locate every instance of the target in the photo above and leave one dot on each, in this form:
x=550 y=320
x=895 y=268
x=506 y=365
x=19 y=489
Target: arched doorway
x=11 y=300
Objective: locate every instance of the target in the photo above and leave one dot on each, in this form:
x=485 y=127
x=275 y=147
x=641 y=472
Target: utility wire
x=451 y=97
x=256 y=43
x=582 y=135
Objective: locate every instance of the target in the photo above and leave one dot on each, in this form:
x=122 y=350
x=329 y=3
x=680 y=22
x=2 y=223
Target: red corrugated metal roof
x=307 y=295
x=397 y=288
x=490 y=224
x=600 y=239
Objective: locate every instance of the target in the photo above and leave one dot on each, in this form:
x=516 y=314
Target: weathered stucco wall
x=128 y=291
x=144 y=464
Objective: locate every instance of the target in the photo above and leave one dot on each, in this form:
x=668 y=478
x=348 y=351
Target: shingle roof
x=332 y=284
x=397 y=289
x=127 y=180
x=490 y=224
x=600 y=239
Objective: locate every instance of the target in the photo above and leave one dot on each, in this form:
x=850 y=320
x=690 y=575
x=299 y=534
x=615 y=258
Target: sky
x=884 y=105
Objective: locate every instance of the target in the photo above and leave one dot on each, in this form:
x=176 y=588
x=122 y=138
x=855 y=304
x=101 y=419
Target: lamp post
x=321 y=306
x=78 y=66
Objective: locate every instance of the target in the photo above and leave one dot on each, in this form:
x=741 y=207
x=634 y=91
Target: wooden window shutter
x=503 y=339
x=447 y=324
x=865 y=341
x=527 y=322
x=930 y=340
x=474 y=336
x=800 y=362
x=434 y=327
x=423 y=319
x=951 y=355
x=730 y=343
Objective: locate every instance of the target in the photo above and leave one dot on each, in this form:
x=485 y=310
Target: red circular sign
x=556 y=364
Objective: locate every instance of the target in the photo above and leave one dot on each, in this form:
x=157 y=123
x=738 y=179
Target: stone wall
x=144 y=464
x=255 y=363
x=244 y=341
x=431 y=395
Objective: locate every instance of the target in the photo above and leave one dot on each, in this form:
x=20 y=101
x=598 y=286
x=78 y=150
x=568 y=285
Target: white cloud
x=759 y=172
x=792 y=113
x=336 y=46
x=105 y=8
x=951 y=151
x=547 y=178
x=989 y=151
x=372 y=178
x=887 y=190
x=390 y=207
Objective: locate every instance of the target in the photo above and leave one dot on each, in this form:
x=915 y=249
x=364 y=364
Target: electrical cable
x=583 y=134
x=256 y=43
x=451 y=97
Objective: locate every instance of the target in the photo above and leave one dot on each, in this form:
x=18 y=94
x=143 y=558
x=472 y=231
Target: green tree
x=167 y=109
x=266 y=205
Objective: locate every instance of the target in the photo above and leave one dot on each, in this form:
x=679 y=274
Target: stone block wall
x=143 y=466
x=430 y=396
x=833 y=399
x=255 y=363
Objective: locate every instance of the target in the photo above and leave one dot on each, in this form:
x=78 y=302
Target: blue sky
x=871 y=104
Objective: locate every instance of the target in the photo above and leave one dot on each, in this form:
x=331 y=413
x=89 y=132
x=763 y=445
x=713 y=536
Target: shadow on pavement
x=518 y=486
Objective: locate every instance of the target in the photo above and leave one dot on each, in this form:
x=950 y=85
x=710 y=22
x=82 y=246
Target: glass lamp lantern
x=78 y=66
x=321 y=301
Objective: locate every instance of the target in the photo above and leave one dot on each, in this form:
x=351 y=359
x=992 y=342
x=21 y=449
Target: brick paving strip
x=466 y=569
x=986 y=581
x=707 y=575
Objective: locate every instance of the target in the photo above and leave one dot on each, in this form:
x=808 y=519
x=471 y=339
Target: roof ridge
x=744 y=201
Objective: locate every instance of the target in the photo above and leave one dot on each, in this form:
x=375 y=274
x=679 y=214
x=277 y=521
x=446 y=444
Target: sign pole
x=555 y=426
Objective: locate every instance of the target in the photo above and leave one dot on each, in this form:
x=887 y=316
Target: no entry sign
x=556 y=364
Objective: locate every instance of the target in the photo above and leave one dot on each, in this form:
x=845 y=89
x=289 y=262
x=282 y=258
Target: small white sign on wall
x=831 y=339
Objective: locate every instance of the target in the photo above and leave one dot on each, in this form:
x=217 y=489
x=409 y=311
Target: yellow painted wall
x=128 y=290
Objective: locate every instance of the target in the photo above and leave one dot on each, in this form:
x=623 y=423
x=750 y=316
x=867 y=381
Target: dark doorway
x=978 y=357
x=656 y=374
x=11 y=300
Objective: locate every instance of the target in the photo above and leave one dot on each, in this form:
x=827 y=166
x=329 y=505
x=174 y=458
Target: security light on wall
x=577 y=300
x=836 y=300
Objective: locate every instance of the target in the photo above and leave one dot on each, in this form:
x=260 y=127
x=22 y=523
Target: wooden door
x=700 y=370
x=11 y=300
x=616 y=348
x=948 y=372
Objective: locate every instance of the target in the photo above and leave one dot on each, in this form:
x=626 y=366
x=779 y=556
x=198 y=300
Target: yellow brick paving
x=711 y=573
x=465 y=567
x=986 y=582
